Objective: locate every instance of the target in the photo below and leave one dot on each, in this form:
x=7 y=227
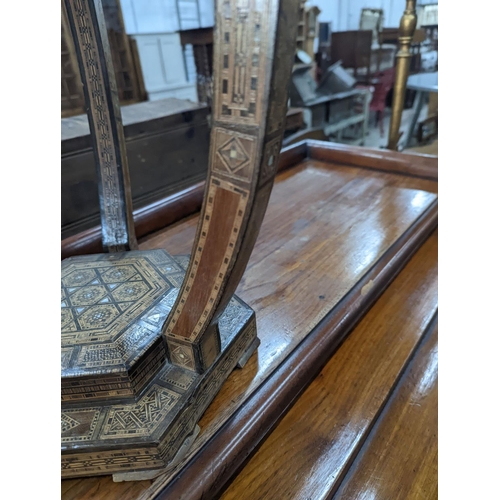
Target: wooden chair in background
x=381 y=85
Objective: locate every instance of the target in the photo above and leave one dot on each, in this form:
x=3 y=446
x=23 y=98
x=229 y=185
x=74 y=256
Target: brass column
x=406 y=31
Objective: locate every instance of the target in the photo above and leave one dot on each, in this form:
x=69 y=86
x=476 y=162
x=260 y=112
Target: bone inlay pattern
x=189 y=282
x=245 y=145
x=105 y=121
x=243 y=26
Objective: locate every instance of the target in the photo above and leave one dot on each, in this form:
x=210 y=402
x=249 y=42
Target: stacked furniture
x=360 y=54
x=307 y=29
x=364 y=52
x=334 y=105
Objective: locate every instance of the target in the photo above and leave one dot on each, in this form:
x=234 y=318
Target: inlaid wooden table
x=343 y=280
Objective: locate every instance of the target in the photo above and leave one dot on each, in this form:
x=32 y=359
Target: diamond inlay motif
x=182 y=356
x=233 y=155
x=98 y=316
x=88 y=295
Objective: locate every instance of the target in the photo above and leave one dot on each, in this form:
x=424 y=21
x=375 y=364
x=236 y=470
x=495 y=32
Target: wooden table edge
x=207 y=473
x=388 y=403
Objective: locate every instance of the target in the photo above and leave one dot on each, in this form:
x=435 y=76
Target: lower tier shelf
x=333 y=239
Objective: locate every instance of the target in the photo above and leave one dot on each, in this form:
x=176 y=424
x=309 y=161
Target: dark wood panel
x=353 y=48
x=167 y=150
x=162 y=213
x=311 y=448
x=385 y=466
x=201 y=36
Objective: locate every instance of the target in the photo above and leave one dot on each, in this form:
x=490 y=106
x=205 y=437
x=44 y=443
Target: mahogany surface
x=385 y=467
x=325 y=226
x=312 y=448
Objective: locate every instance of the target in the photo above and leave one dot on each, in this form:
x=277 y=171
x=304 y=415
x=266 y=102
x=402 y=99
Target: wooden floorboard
x=325 y=227
x=309 y=452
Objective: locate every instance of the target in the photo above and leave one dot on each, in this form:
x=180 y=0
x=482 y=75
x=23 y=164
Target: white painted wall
x=143 y=17
x=164 y=67
x=344 y=14
x=168 y=71
x=162 y=16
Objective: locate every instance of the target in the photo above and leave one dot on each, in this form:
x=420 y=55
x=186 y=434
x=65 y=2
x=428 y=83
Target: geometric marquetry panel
x=112 y=309
x=145 y=431
x=101 y=295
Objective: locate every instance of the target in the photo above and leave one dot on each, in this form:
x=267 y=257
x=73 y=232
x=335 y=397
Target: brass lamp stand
x=406 y=30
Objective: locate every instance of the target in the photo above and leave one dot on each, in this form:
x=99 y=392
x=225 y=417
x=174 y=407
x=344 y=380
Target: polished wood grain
x=173 y=208
x=309 y=452
x=239 y=436
x=302 y=179
x=280 y=309
x=400 y=458
x=325 y=227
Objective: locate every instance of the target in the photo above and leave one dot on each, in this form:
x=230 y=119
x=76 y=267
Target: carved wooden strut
x=253 y=57
x=88 y=27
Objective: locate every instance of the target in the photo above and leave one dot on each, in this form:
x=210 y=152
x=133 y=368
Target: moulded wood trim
x=350 y=478
x=204 y=477
x=414 y=164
